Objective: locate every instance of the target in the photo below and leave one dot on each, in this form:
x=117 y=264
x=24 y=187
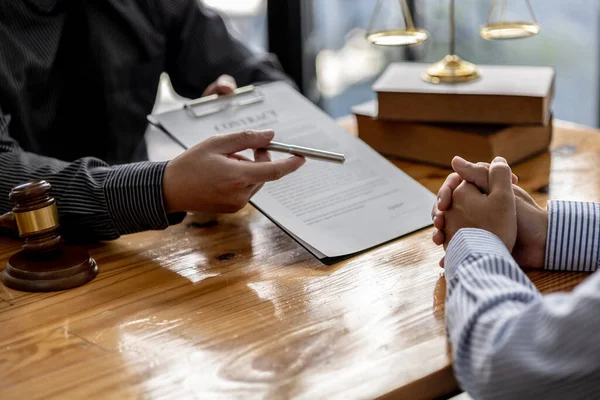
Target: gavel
x=45 y=263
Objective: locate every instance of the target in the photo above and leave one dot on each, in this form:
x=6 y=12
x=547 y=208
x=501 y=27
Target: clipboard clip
x=241 y=97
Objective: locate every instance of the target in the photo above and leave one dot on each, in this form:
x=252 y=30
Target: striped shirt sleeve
x=573 y=241
x=510 y=342
x=95 y=201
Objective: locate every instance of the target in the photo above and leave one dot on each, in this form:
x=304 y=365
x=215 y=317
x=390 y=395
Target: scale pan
x=398 y=37
x=509 y=30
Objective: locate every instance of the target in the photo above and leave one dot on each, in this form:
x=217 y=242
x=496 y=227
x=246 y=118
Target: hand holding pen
x=213 y=177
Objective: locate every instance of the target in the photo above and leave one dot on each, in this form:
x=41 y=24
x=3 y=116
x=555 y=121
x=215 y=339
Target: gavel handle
x=8 y=221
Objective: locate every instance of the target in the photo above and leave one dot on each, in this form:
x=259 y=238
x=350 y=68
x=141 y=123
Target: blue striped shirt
x=510 y=342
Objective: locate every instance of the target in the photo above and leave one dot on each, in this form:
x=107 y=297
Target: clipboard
x=241 y=97
x=209 y=105
x=334 y=213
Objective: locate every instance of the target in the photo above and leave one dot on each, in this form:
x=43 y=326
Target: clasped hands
x=486 y=196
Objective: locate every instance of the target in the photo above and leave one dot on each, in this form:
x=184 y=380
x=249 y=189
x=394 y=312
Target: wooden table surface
x=239 y=309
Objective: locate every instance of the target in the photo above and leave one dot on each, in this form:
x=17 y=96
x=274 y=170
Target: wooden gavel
x=45 y=263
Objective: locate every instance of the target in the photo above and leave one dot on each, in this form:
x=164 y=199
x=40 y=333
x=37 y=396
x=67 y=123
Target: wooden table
x=239 y=309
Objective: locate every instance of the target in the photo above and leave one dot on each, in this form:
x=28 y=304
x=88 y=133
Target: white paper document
x=332 y=210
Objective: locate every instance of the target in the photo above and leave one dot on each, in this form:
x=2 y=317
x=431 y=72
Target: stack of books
x=505 y=113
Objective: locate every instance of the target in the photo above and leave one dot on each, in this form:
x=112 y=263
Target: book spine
x=438 y=144
x=476 y=109
x=421 y=142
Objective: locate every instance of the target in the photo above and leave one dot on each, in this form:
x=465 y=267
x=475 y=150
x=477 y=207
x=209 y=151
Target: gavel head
x=36 y=216
x=45 y=264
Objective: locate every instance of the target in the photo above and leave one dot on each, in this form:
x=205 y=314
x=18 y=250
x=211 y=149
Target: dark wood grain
x=238 y=309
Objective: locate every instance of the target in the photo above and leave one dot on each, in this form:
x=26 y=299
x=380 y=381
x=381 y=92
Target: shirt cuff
x=468 y=242
x=572 y=243
x=135 y=200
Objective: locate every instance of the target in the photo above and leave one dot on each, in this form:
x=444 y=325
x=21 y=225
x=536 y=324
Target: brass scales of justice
x=451 y=69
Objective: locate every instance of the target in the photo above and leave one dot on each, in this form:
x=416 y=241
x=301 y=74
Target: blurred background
x=321 y=44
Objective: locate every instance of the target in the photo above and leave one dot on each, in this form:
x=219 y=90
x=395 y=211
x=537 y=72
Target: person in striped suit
x=508 y=340
x=77 y=80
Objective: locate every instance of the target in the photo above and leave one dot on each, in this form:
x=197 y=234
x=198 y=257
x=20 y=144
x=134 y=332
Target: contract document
x=333 y=210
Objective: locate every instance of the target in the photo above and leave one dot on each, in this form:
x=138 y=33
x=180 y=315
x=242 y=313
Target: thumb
x=225 y=85
x=234 y=142
x=477 y=174
x=500 y=177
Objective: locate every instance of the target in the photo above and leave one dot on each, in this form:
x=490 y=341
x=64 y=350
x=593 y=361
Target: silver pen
x=306 y=152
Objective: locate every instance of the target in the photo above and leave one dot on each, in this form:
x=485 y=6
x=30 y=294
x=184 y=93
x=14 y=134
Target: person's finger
x=223 y=90
x=261 y=155
x=227 y=80
x=464 y=196
x=444 y=200
x=443 y=262
x=240 y=157
x=439 y=221
x=259 y=172
x=438 y=237
x=225 y=84
x=500 y=177
x=210 y=90
x=515 y=178
x=234 y=142
x=444 y=197
x=476 y=174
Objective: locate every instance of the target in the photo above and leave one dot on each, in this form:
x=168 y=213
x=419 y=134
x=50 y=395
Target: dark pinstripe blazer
x=77 y=79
